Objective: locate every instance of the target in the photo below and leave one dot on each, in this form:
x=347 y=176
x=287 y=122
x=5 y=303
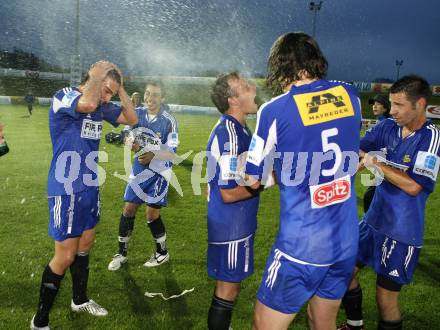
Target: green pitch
x=26 y=248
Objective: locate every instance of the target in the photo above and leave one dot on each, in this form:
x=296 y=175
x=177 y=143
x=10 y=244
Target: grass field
x=26 y=247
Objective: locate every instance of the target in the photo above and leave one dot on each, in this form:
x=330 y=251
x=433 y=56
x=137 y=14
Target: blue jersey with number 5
x=311 y=136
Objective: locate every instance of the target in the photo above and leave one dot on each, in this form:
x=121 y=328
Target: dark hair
x=112 y=74
x=292 y=55
x=221 y=90
x=414 y=86
x=156 y=83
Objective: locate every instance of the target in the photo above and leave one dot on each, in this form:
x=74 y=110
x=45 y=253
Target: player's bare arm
x=91 y=91
x=236 y=194
x=395 y=176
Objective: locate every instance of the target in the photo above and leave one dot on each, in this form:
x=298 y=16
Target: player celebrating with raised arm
x=391 y=234
x=155 y=132
x=312 y=128
x=232 y=208
x=75 y=123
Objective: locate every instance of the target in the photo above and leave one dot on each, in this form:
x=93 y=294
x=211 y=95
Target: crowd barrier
x=362 y=86
x=432 y=111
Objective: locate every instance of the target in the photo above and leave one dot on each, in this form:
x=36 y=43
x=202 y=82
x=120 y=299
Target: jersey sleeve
x=262 y=144
x=224 y=149
x=65 y=101
x=426 y=160
x=111 y=113
x=172 y=135
x=372 y=139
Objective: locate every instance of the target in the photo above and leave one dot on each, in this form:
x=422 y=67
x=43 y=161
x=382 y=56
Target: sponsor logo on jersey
x=330 y=193
x=320 y=107
x=255 y=153
x=430 y=162
x=173 y=140
x=91 y=129
x=228 y=167
x=427 y=164
x=233 y=164
x=149 y=143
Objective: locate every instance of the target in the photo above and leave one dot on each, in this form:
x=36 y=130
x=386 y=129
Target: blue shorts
x=231 y=261
x=289 y=283
x=394 y=260
x=152 y=191
x=71 y=215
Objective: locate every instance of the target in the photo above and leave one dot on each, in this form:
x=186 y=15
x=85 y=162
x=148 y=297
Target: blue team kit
x=147 y=183
x=72 y=179
x=231 y=226
x=391 y=235
x=311 y=135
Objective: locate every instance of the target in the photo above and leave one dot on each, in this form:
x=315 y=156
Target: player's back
x=315 y=130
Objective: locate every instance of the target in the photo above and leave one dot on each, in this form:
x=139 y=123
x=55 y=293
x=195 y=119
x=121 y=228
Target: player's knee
x=130 y=210
x=86 y=246
x=153 y=213
x=228 y=291
x=67 y=260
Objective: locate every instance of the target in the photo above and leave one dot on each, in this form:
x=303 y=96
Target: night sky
x=361 y=39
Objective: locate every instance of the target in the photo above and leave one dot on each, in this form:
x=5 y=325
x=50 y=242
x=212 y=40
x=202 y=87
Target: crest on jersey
x=323 y=106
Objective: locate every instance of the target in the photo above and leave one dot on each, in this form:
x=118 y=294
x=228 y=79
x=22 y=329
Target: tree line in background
x=22 y=60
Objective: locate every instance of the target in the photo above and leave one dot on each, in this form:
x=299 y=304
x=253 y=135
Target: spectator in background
x=381 y=106
x=381 y=109
x=30 y=99
x=136 y=99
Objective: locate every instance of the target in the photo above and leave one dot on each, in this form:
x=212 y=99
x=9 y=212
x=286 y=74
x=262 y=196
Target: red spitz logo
x=330 y=193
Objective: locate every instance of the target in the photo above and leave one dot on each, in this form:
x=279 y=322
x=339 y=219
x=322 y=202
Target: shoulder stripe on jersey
x=171 y=119
x=229 y=135
x=435 y=139
x=236 y=137
x=232 y=138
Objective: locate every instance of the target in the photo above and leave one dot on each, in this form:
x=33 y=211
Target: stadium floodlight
x=315 y=7
x=75 y=60
x=399 y=63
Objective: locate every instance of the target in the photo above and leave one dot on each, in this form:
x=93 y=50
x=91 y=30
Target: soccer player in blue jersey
x=312 y=133
x=232 y=208
x=75 y=123
x=156 y=132
x=391 y=233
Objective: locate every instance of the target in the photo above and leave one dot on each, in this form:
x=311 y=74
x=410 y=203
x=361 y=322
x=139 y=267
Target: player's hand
x=146 y=158
x=100 y=69
x=135 y=147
